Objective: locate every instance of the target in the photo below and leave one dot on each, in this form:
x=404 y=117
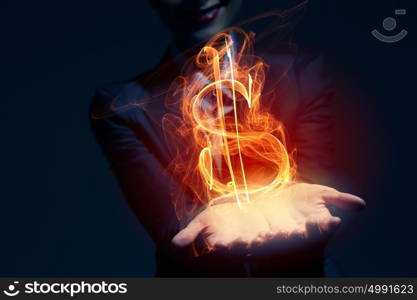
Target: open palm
x=276 y=217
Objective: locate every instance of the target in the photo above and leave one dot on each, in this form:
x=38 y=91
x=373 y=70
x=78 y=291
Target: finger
x=322 y=227
x=343 y=200
x=313 y=231
x=186 y=236
x=331 y=225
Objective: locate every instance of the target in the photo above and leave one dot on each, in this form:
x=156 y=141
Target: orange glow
x=232 y=147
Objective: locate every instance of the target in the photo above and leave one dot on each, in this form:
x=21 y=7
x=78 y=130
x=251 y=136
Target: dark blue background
x=61 y=211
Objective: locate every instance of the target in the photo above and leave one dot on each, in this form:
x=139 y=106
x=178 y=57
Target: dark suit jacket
x=132 y=140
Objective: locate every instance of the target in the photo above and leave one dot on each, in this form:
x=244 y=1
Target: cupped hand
x=296 y=212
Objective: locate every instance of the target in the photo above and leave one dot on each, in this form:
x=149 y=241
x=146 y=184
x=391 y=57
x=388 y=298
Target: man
x=127 y=117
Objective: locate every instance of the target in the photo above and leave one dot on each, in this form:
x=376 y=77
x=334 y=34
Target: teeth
x=209 y=14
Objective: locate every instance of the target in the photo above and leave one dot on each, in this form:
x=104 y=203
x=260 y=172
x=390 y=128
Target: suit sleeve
x=313 y=133
x=140 y=174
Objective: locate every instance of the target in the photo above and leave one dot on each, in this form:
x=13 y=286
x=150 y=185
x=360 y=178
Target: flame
x=231 y=146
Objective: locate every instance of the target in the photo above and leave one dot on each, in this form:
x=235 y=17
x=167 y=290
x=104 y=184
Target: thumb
x=187 y=235
x=344 y=200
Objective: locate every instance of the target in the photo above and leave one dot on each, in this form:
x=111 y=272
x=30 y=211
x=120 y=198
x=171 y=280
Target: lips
x=208 y=14
x=204 y=15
